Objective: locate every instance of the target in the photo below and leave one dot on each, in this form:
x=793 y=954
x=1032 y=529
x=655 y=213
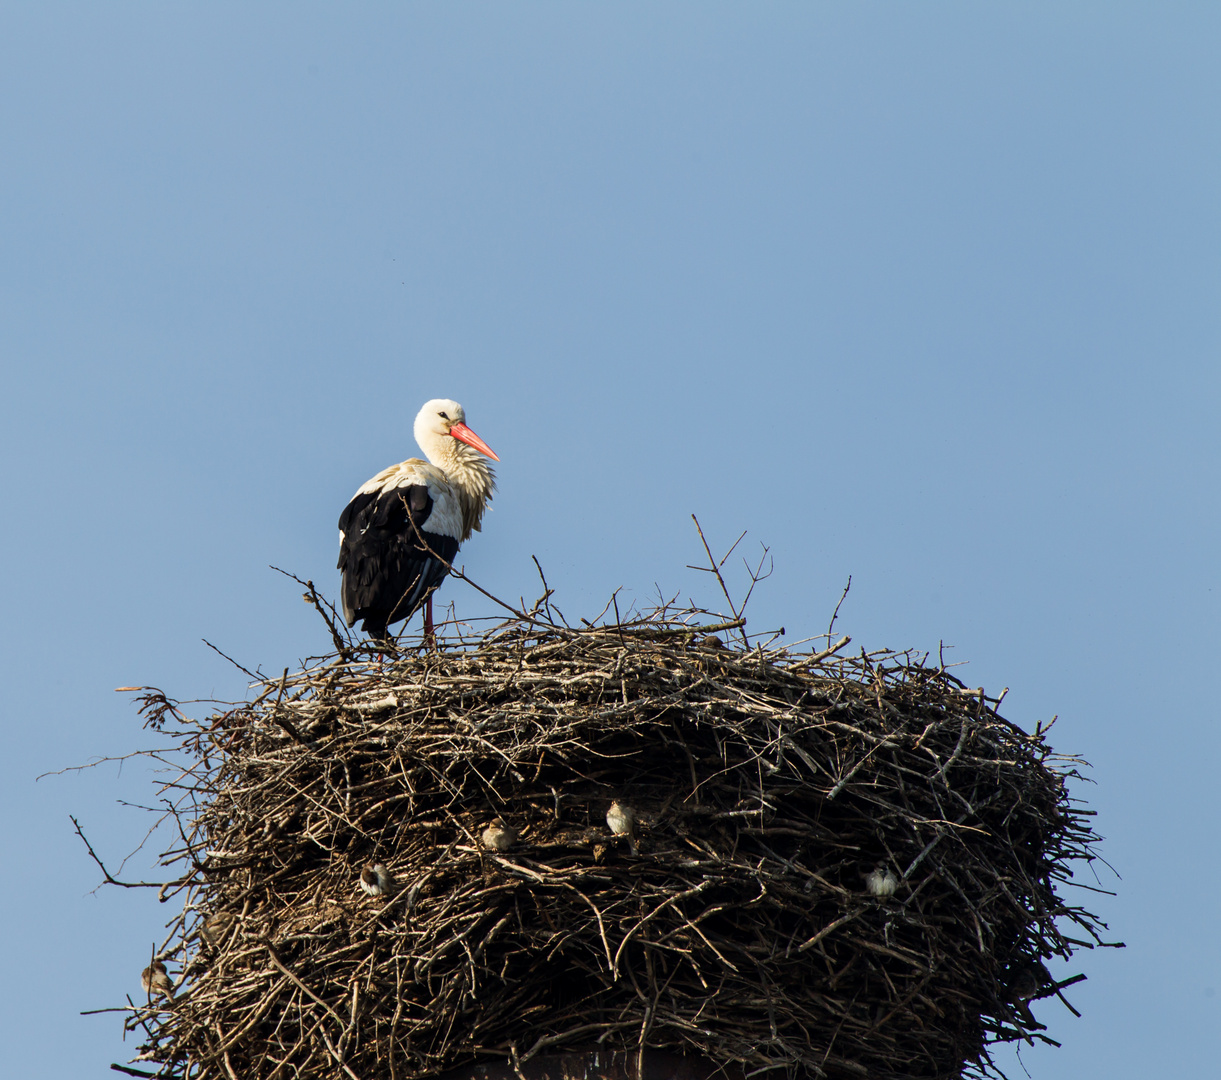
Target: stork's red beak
x=464 y=434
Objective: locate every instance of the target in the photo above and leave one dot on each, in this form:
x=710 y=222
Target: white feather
x=446 y=516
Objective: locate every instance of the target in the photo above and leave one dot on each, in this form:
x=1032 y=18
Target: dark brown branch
x=252 y=675
x=110 y=879
x=714 y=568
x=324 y=608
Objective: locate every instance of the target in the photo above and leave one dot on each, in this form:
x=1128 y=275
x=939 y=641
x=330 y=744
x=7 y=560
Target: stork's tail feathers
x=376 y=629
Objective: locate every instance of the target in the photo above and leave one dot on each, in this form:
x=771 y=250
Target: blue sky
x=924 y=294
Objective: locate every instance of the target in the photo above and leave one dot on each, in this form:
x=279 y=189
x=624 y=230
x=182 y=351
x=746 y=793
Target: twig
x=252 y=675
x=835 y=614
x=811 y=942
x=453 y=572
x=818 y=657
x=715 y=568
x=274 y=712
x=110 y=880
x=324 y=608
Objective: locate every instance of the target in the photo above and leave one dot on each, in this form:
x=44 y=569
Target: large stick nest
x=767 y=783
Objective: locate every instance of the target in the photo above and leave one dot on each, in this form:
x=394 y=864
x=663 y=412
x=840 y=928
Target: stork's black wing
x=388 y=569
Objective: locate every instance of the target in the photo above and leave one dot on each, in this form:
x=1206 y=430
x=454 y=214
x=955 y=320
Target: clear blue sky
x=922 y=293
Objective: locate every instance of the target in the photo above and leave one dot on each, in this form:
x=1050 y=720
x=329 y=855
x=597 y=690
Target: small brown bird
x=881 y=881
x=216 y=927
x=622 y=821
x=1025 y=986
x=156 y=980
x=377 y=880
x=498 y=836
x=1025 y=981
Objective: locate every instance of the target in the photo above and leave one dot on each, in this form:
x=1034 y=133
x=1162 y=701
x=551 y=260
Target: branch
x=715 y=568
x=835 y=613
x=542 y=601
x=296 y=735
x=311 y=597
x=231 y=660
x=810 y=661
x=110 y=879
x=453 y=572
x=756 y=576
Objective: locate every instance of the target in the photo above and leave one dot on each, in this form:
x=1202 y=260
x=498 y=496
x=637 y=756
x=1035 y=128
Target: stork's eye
x=443 y=416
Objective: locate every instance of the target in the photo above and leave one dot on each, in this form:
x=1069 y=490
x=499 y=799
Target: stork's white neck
x=466 y=469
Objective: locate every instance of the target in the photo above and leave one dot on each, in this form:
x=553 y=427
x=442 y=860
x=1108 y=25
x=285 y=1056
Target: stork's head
x=442 y=417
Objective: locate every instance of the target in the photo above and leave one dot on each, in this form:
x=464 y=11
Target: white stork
x=403 y=527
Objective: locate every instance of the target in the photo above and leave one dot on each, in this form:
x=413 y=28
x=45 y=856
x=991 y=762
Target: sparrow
x=376 y=880
x=215 y=928
x=498 y=836
x=1025 y=986
x=154 y=979
x=622 y=821
x=1025 y=982
x=881 y=881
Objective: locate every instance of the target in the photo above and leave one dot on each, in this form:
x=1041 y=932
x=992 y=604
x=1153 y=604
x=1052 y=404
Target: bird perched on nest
x=1025 y=982
x=216 y=928
x=403 y=527
x=498 y=836
x=881 y=881
x=377 y=880
x=1025 y=985
x=156 y=980
x=622 y=821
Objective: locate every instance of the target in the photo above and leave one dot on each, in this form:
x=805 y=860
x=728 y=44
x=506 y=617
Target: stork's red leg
x=429 y=635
